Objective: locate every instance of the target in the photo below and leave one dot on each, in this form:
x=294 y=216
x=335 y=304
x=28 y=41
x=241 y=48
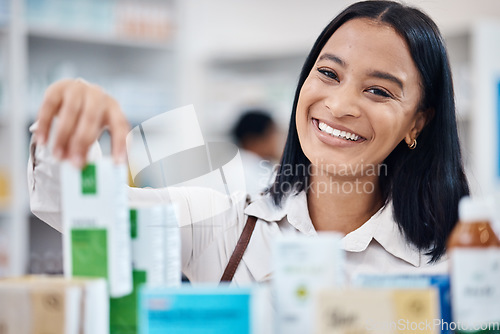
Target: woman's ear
x=422 y=118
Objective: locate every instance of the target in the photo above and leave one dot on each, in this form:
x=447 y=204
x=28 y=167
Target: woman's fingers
x=83 y=110
x=68 y=114
x=48 y=110
x=119 y=128
x=88 y=128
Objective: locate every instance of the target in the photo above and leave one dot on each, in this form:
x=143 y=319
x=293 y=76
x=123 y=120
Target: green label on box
x=89 y=252
x=89 y=180
x=123 y=317
x=133 y=224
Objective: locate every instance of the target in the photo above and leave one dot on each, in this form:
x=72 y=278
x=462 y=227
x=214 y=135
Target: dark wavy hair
x=425 y=184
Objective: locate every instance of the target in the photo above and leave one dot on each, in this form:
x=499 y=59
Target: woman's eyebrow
x=332 y=57
x=387 y=76
x=375 y=74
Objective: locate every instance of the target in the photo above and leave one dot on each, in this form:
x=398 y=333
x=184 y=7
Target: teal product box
x=440 y=282
x=195 y=310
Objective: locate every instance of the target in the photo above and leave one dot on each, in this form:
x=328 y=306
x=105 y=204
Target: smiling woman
x=376 y=80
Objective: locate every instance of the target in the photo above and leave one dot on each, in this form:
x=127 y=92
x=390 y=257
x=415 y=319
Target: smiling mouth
x=325 y=128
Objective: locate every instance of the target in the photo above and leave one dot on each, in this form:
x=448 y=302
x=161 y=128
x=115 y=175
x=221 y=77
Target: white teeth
x=337 y=133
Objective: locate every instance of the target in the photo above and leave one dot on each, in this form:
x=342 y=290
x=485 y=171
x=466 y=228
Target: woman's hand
x=83 y=111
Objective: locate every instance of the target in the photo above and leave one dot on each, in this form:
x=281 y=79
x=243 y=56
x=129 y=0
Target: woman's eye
x=379 y=92
x=329 y=74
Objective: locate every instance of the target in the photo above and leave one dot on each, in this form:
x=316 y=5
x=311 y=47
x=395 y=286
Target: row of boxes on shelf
x=151 y=20
x=135 y=248
x=57 y=305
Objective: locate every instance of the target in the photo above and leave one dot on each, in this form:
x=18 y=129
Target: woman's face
x=360 y=99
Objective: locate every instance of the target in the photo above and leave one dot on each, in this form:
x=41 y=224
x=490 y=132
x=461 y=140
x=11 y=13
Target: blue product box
x=195 y=310
x=440 y=282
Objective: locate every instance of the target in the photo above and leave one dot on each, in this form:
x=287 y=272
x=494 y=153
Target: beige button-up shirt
x=209 y=234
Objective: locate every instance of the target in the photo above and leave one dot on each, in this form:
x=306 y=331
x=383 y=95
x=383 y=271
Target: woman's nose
x=343 y=101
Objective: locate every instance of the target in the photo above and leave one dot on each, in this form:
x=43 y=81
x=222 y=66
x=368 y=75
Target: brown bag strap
x=239 y=250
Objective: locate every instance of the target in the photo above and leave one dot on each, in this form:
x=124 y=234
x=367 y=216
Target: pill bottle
x=474 y=252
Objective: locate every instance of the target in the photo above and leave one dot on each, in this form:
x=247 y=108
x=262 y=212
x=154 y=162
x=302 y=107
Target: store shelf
x=108 y=39
x=39 y=47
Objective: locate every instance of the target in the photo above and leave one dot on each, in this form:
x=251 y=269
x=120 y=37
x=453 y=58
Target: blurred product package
x=5 y=191
x=96 y=227
x=303 y=266
x=156 y=260
x=53 y=305
x=197 y=310
x=439 y=282
x=388 y=311
x=474 y=251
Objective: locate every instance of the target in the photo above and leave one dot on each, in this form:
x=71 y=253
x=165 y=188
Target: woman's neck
x=342 y=204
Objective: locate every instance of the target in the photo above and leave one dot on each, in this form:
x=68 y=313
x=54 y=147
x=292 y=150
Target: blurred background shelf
x=127 y=47
x=109 y=39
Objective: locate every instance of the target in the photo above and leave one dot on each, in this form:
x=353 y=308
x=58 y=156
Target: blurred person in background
x=257 y=135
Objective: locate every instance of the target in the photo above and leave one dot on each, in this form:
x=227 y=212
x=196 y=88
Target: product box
x=195 y=310
x=39 y=308
x=57 y=303
x=475 y=289
x=387 y=311
x=15 y=310
x=302 y=266
x=156 y=258
x=96 y=228
x=440 y=282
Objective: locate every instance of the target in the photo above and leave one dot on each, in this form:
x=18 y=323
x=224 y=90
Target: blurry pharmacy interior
x=222 y=56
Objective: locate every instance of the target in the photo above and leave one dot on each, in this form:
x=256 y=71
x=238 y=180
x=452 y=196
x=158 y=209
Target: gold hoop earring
x=413 y=145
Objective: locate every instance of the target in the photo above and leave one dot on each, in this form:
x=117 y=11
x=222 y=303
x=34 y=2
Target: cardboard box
x=79 y=305
x=388 y=311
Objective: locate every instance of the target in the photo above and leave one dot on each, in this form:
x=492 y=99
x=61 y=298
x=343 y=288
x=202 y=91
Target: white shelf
x=95 y=38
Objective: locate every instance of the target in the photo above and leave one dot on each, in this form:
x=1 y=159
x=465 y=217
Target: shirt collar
x=294 y=208
x=381 y=227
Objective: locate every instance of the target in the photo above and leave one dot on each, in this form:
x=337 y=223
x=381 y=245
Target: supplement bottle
x=474 y=251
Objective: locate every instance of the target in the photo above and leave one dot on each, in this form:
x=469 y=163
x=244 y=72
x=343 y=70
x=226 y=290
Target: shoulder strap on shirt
x=239 y=250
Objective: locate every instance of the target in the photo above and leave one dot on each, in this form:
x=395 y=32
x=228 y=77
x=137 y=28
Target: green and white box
x=96 y=224
x=156 y=245
x=156 y=260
